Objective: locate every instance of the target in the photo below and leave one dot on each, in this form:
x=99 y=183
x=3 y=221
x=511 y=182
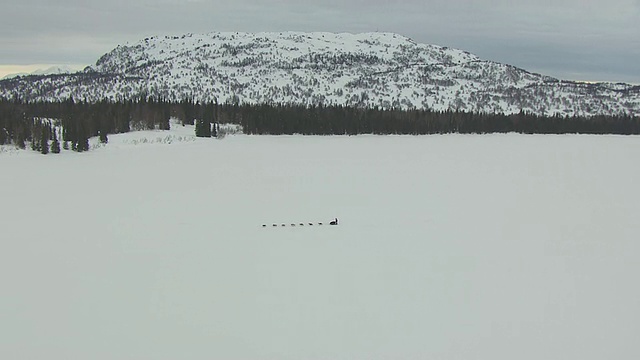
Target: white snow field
x=449 y=247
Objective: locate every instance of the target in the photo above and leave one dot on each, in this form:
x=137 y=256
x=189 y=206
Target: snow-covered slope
x=54 y=70
x=493 y=247
x=370 y=69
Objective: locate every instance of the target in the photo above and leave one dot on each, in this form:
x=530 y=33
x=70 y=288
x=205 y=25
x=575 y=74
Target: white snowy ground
x=449 y=247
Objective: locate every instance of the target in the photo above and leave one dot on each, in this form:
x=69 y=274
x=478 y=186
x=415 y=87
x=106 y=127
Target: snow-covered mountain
x=52 y=70
x=370 y=69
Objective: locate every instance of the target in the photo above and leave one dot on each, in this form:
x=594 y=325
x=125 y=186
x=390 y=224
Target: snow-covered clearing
x=449 y=247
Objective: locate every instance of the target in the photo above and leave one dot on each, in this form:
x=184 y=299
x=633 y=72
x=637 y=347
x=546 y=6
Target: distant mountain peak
x=51 y=70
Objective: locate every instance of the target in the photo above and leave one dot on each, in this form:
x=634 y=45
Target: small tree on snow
x=203 y=128
x=44 y=142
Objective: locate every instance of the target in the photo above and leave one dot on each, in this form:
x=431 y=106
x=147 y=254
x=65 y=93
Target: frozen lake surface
x=449 y=247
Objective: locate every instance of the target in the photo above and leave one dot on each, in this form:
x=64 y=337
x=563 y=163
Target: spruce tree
x=82 y=143
x=35 y=141
x=44 y=142
x=55 y=145
x=203 y=128
x=198 y=128
x=85 y=144
x=20 y=140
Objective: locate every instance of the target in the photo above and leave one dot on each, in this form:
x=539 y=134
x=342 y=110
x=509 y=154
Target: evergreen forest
x=49 y=126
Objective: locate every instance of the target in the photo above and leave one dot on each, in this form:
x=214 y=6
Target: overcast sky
x=591 y=40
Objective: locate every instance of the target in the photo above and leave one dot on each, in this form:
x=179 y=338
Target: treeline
x=274 y=120
x=72 y=123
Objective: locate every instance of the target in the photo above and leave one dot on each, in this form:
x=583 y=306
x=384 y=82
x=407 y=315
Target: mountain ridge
x=383 y=70
x=49 y=70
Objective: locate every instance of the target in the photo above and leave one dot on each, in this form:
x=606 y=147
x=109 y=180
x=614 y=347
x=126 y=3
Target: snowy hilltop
x=52 y=70
x=381 y=70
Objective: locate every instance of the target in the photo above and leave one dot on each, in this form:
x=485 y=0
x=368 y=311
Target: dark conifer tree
x=188 y=111
x=44 y=141
x=20 y=142
x=83 y=144
x=82 y=135
x=35 y=137
x=203 y=128
x=55 y=144
x=166 y=115
x=198 y=128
